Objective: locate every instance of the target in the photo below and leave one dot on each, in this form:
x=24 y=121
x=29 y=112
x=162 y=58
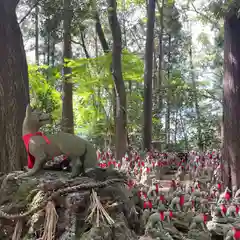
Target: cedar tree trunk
x=231 y=101
x=121 y=114
x=14 y=89
x=148 y=71
x=67 y=103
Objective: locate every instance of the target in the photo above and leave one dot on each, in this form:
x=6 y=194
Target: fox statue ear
x=28 y=111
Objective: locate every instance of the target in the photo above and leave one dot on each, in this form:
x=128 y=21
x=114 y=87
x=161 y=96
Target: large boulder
x=96 y=206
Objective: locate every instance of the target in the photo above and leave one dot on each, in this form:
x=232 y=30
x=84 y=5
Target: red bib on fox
x=26 y=138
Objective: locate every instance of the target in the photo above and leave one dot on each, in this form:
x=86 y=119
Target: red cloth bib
x=26 y=138
x=227 y=196
x=236 y=235
x=147 y=204
x=205 y=218
x=104 y=165
x=223 y=208
x=130 y=184
x=161 y=198
x=181 y=201
x=237 y=209
x=162 y=216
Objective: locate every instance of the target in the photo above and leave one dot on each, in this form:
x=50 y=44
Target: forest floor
x=53 y=199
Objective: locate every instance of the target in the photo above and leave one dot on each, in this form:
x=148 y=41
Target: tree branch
x=84 y=45
x=75 y=42
x=28 y=13
x=205 y=16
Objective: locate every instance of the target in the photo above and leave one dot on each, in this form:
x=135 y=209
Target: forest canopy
x=187 y=90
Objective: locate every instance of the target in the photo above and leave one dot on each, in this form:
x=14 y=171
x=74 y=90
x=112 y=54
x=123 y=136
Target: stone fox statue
x=41 y=148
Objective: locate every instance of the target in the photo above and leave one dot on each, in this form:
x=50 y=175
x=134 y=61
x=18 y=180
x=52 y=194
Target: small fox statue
x=41 y=148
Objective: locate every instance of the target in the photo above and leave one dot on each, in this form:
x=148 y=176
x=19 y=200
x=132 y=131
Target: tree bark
x=106 y=50
x=84 y=45
x=36 y=35
x=147 y=104
x=182 y=122
x=231 y=101
x=14 y=89
x=195 y=98
x=160 y=57
x=168 y=105
x=176 y=128
x=48 y=46
x=221 y=133
x=53 y=49
x=67 y=107
x=121 y=114
x=101 y=35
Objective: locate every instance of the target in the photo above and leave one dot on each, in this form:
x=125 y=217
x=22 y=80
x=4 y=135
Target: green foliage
x=93 y=84
x=221 y=8
x=43 y=94
x=93 y=92
x=123 y=5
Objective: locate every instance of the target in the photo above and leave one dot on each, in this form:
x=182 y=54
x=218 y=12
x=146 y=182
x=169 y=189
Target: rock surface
x=97 y=206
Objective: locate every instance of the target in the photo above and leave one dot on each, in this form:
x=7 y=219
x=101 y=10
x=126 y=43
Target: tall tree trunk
x=231 y=84
x=121 y=113
x=36 y=35
x=67 y=108
x=195 y=98
x=124 y=25
x=44 y=56
x=168 y=110
x=14 y=89
x=53 y=48
x=84 y=45
x=129 y=82
x=106 y=50
x=160 y=57
x=125 y=39
x=100 y=33
x=96 y=43
x=221 y=133
x=184 y=130
x=176 y=127
x=147 y=104
x=48 y=47
x=155 y=78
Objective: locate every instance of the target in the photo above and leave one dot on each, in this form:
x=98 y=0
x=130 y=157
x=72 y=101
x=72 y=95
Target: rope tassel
x=18 y=230
x=51 y=219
